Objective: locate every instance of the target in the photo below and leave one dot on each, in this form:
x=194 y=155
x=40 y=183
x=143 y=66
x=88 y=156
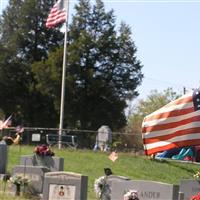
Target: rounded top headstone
x=104 y=129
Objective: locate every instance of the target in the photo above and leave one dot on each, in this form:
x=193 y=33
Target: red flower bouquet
x=43 y=150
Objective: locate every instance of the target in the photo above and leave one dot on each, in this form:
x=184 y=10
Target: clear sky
x=167 y=36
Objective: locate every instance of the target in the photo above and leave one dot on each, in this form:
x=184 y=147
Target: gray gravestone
x=147 y=190
x=65 y=186
x=104 y=137
x=189 y=188
x=114 y=178
x=3 y=158
x=53 y=163
x=35 y=174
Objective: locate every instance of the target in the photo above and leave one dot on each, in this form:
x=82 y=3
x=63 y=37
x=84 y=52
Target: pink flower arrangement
x=131 y=195
x=195 y=197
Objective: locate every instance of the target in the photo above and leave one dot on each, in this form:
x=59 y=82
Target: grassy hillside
x=92 y=163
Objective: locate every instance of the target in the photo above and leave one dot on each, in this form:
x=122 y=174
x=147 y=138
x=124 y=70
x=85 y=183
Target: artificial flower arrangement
x=102 y=188
x=197 y=175
x=131 y=195
x=195 y=197
x=19 y=180
x=43 y=150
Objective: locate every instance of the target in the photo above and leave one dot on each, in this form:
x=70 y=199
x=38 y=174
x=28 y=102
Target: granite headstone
x=35 y=174
x=65 y=186
x=3 y=158
x=103 y=138
x=147 y=190
x=189 y=187
x=51 y=162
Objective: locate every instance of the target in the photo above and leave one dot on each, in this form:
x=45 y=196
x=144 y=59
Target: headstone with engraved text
x=65 y=186
x=147 y=190
x=189 y=187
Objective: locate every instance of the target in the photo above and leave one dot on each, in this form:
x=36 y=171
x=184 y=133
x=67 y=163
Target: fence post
x=180 y=196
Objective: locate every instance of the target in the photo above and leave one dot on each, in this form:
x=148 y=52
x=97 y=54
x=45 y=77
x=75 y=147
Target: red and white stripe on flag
x=175 y=125
x=57 y=14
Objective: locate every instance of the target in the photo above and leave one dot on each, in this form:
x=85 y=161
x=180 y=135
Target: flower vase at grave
x=18 y=189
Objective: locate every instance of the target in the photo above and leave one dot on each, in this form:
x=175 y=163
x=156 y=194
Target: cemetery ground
x=92 y=164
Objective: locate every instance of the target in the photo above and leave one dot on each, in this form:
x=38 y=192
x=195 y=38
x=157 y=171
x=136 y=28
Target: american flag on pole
x=175 y=125
x=19 y=129
x=6 y=123
x=58 y=14
x=113 y=156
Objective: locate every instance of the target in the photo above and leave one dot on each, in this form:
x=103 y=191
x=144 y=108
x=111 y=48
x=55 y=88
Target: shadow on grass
x=176 y=164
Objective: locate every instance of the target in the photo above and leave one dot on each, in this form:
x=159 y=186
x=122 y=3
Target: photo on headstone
x=61 y=192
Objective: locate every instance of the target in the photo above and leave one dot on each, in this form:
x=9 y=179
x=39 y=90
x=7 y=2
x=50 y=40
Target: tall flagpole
x=63 y=77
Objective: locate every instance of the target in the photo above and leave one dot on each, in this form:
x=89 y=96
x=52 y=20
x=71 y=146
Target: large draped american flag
x=177 y=124
x=58 y=14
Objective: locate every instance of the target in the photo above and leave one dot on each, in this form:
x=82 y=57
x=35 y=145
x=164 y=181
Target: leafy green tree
x=24 y=39
x=11 y=84
x=102 y=69
x=153 y=102
x=23 y=29
x=156 y=100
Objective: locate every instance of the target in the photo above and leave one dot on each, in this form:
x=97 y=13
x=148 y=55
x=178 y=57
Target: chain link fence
x=82 y=139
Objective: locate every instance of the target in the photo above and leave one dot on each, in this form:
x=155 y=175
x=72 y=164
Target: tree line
x=102 y=70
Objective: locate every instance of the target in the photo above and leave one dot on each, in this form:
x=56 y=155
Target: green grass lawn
x=92 y=163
